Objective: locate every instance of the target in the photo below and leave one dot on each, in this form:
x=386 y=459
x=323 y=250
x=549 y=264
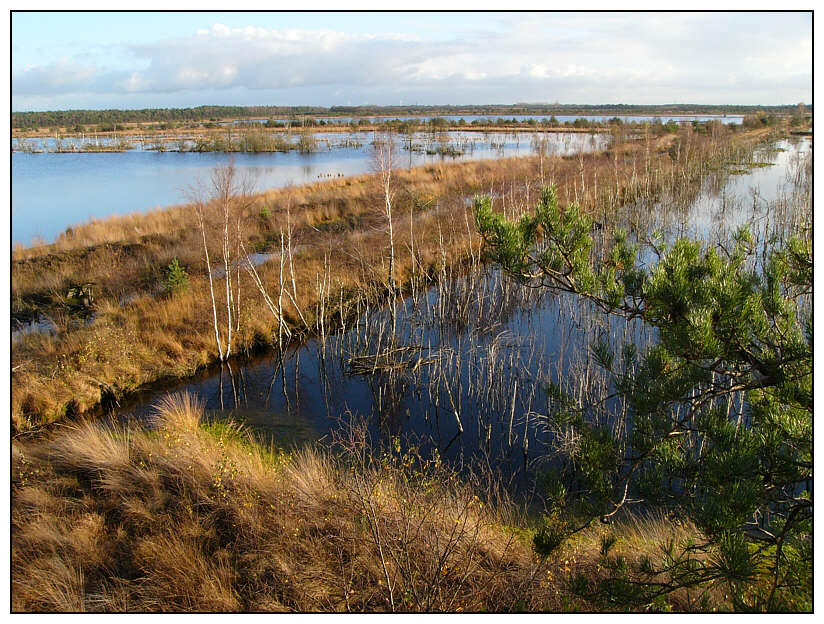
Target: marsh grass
x=198 y=515
x=114 y=518
x=190 y=515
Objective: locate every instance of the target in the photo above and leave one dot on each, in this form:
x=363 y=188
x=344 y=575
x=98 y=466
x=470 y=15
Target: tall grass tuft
x=178 y=412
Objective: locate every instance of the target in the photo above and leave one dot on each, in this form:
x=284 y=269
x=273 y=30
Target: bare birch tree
x=382 y=160
x=219 y=203
x=201 y=219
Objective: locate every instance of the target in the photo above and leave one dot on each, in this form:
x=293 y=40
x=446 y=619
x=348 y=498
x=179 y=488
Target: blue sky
x=135 y=60
x=39 y=37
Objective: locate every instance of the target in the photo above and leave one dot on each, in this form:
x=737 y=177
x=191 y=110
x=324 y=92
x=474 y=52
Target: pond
x=466 y=367
x=52 y=191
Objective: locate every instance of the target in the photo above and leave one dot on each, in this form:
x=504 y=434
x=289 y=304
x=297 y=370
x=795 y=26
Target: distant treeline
x=111 y=117
x=563 y=109
x=117 y=116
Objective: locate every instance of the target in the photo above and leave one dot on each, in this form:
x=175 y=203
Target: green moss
x=231 y=434
x=524 y=534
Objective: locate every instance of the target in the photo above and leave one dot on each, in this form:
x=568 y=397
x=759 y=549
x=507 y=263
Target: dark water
x=52 y=191
x=464 y=374
x=467 y=369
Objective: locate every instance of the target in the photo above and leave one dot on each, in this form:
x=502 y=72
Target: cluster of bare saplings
x=307 y=255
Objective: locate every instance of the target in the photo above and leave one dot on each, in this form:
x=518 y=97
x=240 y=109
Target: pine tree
x=177 y=280
x=719 y=410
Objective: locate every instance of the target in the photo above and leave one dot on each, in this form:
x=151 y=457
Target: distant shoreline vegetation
x=276 y=136
x=68 y=118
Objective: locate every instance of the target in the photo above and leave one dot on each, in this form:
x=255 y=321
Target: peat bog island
x=431 y=313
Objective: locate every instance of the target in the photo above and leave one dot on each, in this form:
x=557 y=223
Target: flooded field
x=464 y=364
x=540 y=119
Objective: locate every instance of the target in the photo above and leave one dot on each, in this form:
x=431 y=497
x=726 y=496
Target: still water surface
x=52 y=191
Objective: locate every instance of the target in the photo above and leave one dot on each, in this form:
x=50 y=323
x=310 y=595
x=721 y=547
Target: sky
x=178 y=59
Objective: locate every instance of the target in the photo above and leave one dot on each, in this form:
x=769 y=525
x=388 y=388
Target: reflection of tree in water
x=242 y=397
x=390 y=390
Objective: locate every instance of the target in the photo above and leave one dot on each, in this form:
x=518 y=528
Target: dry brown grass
x=187 y=519
x=194 y=516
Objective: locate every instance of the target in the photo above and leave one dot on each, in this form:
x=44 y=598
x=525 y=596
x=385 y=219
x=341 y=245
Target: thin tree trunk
x=211 y=285
x=228 y=275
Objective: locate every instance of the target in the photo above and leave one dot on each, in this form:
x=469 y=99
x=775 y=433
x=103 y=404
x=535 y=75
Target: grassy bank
x=142 y=331
x=196 y=516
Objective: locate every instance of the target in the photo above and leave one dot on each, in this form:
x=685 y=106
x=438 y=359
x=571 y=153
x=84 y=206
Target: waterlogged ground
x=466 y=370
x=53 y=191
x=757 y=196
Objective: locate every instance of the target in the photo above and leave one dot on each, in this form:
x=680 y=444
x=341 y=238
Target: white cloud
x=61 y=76
x=566 y=57
x=219 y=30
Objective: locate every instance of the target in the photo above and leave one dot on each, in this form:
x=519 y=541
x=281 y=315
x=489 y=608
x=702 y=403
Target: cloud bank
x=580 y=58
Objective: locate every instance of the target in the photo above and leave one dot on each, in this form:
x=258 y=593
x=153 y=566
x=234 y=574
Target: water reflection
x=52 y=191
